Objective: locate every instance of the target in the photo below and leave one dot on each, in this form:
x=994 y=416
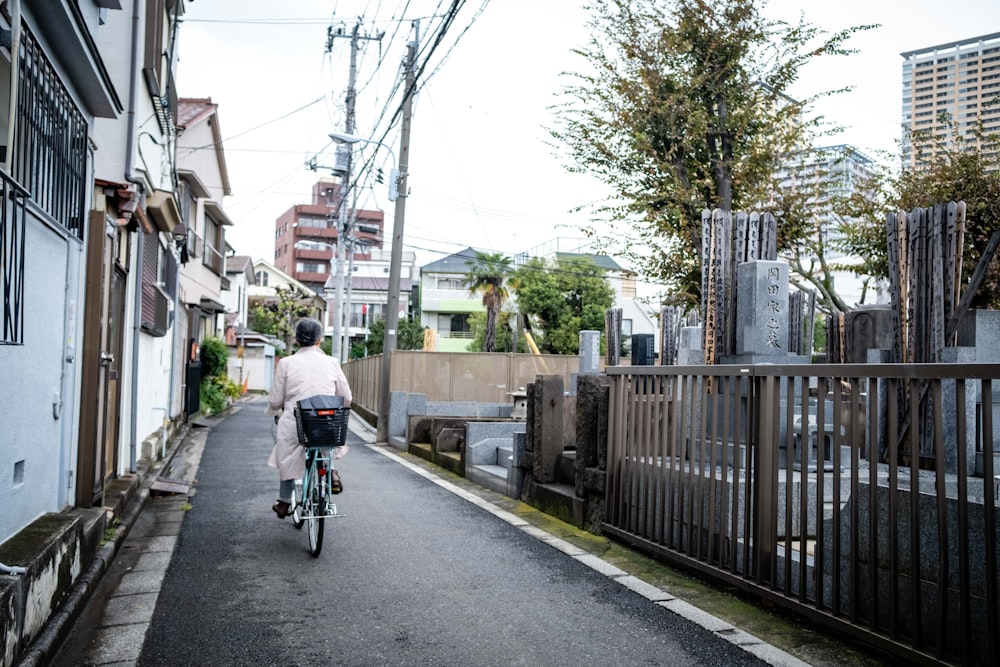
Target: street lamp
x=395 y=262
x=348 y=139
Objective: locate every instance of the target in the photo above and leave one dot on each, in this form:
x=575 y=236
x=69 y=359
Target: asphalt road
x=412 y=574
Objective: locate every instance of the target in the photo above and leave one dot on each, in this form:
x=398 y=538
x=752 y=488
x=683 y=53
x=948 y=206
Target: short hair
x=308 y=331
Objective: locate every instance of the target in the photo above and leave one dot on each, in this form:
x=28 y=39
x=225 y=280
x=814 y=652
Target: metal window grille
x=50 y=140
x=12 y=231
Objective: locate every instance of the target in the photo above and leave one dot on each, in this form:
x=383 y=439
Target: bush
x=213 y=399
x=214 y=358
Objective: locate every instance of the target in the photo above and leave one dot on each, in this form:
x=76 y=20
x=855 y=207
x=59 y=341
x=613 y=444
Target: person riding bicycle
x=308 y=372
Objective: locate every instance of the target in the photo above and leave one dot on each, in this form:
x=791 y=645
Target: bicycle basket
x=321 y=421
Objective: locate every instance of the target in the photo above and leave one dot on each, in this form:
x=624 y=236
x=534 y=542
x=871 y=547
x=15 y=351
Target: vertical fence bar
x=964 y=587
x=749 y=480
x=789 y=495
x=676 y=499
x=990 y=521
x=820 y=557
x=733 y=502
x=630 y=476
x=942 y=518
x=871 y=451
x=616 y=436
x=892 y=438
x=656 y=414
x=916 y=429
x=766 y=483
x=717 y=471
x=803 y=491
x=662 y=449
x=837 y=480
x=643 y=426
x=854 y=443
x=700 y=524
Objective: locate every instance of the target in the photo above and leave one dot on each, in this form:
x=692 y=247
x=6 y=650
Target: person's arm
x=343 y=388
x=276 y=397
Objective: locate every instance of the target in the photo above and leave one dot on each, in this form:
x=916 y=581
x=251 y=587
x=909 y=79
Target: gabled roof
x=241 y=264
x=192 y=111
x=283 y=278
x=457 y=263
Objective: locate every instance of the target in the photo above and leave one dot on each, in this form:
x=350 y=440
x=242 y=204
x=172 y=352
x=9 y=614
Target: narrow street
x=413 y=574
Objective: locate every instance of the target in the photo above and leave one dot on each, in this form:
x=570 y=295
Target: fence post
x=764 y=479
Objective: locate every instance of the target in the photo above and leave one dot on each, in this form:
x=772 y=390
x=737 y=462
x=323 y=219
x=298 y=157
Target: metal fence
x=455 y=376
x=796 y=484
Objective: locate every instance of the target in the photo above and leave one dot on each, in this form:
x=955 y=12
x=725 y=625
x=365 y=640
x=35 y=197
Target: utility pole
x=396 y=260
x=341 y=319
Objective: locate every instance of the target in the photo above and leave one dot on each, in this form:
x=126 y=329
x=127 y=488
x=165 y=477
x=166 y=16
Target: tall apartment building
x=831 y=171
x=318 y=222
x=960 y=80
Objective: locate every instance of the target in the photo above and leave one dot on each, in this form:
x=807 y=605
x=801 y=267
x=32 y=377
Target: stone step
x=505 y=457
x=566 y=468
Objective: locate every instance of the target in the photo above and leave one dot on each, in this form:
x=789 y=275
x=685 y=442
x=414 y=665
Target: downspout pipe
x=133 y=93
x=10 y=569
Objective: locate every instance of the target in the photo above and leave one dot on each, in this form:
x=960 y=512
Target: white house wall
x=38 y=435
x=196 y=153
x=114 y=39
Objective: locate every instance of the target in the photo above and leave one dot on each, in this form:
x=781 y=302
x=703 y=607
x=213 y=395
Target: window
x=214 y=245
x=455 y=325
x=262 y=278
x=450 y=283
x=310 y=267
x=154 y=301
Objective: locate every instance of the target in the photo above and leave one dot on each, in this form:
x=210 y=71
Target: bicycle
x=322 y=427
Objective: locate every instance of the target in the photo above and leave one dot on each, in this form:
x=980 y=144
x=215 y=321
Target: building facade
x=947 y=90
x=318 y=223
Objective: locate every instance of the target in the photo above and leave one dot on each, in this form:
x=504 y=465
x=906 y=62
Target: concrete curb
x=59 y=625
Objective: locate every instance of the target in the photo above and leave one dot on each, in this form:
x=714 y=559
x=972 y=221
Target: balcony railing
x=214 y=260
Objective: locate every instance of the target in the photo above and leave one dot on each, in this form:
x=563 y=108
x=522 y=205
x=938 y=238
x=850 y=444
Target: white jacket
x=308 y=372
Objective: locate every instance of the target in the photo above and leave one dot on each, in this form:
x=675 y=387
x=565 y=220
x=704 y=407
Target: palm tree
x=486 y=276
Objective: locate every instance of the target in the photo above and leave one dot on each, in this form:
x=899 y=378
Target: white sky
x=481 y=173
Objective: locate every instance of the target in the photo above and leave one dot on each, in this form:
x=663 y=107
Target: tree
x=562 y=299
x=277 y=317
x=504 y=336
x=823 y=182
x=958 y=166
x=409 y=336
x=686 y=107
x=486 y=276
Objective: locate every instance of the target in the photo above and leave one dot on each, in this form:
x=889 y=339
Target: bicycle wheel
x=297 y=507
x=315 y=509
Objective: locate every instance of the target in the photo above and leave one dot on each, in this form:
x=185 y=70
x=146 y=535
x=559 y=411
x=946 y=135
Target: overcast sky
x=481 y=173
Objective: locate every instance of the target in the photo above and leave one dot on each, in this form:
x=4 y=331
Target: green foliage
x=563 y=298
x=504 y=335
x=216 y=387
x=486 y=276
x=960 y=166
x=277 y=316
x=685 y=106
x=214 y=357
x=213 y=397
x=409 y=336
